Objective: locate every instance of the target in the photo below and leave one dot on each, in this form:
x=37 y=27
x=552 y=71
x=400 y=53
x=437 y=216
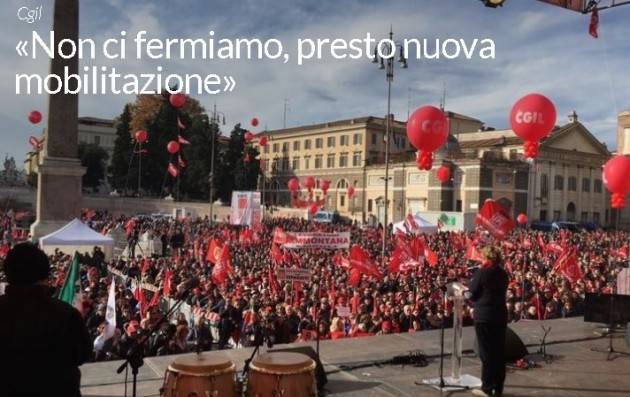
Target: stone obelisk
x=60 y=171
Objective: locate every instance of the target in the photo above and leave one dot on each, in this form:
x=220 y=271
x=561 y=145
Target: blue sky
x=538 y=48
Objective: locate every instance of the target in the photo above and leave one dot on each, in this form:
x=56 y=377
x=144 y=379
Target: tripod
x=542 y=349
x=612 y=353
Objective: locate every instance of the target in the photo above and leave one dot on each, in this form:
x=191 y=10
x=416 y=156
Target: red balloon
x=309 y=182
x=294 y=184
x=616 y=174
x=533 y=117
x=313 y=208
x=521 y=219
x=427 y=128
x=173 y=147
x=443 y=174
x=177 y=100
x=424 y=160
x=262 y=141
x=34 y=117
x=254 y=122
x=324 y=185
x=248 y=136
x=141 y=136
x=350 y=191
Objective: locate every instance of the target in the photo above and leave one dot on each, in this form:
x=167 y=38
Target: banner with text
x=332 y=241
x=294 y=274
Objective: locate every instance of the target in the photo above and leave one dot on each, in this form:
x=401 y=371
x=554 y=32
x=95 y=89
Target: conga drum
x=281 y=374
x=202 y=375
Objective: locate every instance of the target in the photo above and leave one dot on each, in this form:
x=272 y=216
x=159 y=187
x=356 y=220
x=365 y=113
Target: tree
x=119 y=170
x=235 y=172
x=93 y=157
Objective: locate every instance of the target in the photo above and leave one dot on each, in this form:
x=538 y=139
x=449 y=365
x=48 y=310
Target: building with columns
x=563 y=183
x=623 y=147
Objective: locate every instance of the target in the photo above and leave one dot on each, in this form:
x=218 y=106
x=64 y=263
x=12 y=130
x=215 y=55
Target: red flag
x=4 y=250
x=360 y=260
x=621 y=253
x=276 y=254
x=280 y=236
x=166 y=284
x=172 y=170
x=592 y=27
x=272 y=281
x=180 y=125
x=129 y=226
x=407 y=255
x=182 y=140
x=432 y=257
x=568 y=266
x=223 y=267
x=355 y=277
x=181 y=162
x=494 y=219
x=554 y=248
x=155 y=298
x=215 y=249
x=541 y=244
x=138 y=294
x=526 y=244
x=245 y=237
x=146 y=265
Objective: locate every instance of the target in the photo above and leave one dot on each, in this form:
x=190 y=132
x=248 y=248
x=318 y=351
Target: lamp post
x=384 y=55
x=216 y=119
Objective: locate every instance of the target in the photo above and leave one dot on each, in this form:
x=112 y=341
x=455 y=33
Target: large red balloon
x=427 y=128
x=172 y=147
x=350 y=191
x=294 y=185
x=262 y=141
x=324 y=185
x=141 y=136
x=248 y=136
x=521 y=219
x=34 y=117
x=443 y=174
x=313 y=208
x=533 y=117
x=616 y=174
x=254 y=122
x=177 y=100
x=309 y=182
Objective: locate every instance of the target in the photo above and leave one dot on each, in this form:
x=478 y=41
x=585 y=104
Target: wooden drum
x=281 y=374
x=202 y=375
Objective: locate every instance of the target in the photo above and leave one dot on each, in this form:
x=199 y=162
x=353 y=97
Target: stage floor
x=353 y=370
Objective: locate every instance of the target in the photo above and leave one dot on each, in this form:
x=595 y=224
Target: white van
x=325 y=217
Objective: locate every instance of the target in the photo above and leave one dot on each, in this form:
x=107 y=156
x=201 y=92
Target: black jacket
x=42 y=343
x=488 y=288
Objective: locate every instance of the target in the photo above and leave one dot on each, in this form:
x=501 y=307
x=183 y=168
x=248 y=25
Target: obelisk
x=60 y=171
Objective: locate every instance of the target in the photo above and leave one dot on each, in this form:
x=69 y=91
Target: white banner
x=245 y=209
x=334 y=241
x=294 y=274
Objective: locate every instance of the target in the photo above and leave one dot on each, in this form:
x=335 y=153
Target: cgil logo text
x=30 y=15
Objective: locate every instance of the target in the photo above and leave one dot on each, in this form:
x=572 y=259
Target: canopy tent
x=76 y=236
x=415 y=224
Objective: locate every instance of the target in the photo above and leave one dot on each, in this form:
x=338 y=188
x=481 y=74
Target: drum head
x=283 y=363
x=201 y=363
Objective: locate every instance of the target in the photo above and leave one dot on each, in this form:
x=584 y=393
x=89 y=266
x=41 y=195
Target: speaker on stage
x=514 y=347
x=320 y=374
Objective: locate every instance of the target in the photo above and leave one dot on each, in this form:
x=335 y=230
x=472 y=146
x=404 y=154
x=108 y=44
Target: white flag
x=110 y=318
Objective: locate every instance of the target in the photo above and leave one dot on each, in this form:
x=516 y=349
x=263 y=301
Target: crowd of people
x=251 y=302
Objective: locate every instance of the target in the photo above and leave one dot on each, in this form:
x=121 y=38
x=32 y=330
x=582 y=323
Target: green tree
x=93 y=157
x=235 y=173
x=119 y=170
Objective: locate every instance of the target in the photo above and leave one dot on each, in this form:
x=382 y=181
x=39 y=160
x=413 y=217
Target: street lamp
x=385 y=56
x=216 y=119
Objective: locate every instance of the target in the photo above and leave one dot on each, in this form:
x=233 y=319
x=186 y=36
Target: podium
x=457 y=380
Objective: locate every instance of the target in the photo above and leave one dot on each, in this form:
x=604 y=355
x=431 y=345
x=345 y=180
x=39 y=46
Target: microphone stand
x=135 y=355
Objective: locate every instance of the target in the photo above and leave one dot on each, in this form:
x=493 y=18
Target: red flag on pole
x=215 y=249
x=592 y=27
x=494 y=219
x=166 y=284
x=432 y=257
x=568 y=266
x=276 y=254
x=407 y=255
x=361 y=261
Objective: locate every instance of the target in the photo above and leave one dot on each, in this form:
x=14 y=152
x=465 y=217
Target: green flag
x=67 y=291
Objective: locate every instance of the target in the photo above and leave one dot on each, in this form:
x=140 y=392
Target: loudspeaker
x=320 y=374
x=514 y=347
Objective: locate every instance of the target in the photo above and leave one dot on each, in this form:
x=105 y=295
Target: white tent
x=76 y=236
x=415 y=224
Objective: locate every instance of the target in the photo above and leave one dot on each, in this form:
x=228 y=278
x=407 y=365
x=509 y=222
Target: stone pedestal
x=58 y=194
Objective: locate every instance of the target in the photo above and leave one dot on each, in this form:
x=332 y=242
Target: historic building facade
x=623 y=147
x=563 y=183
